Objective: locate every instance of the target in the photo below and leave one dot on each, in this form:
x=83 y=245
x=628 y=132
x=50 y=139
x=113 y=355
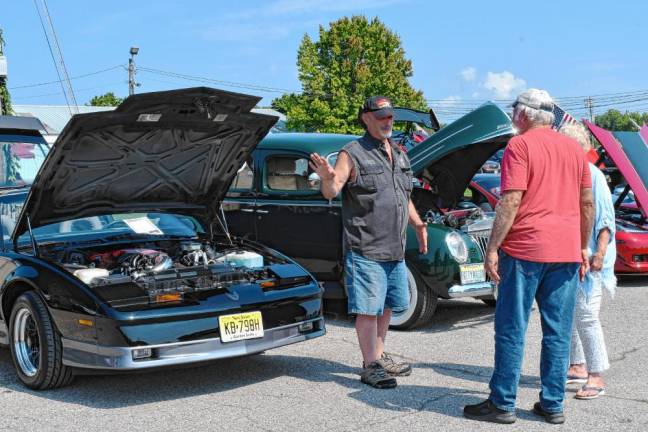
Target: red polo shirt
x=551 y=169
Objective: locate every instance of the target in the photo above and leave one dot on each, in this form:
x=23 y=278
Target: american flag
x=561 y=117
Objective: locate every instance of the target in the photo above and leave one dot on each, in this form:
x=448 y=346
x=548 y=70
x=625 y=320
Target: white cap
x=536 y=99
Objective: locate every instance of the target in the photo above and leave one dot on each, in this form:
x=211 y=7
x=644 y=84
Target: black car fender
x=59 y=289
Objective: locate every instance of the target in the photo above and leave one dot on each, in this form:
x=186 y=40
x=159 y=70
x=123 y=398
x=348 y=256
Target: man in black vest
x=375 y=179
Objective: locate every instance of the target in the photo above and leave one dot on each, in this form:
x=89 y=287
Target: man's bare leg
x=366 y=328
x=382 y=327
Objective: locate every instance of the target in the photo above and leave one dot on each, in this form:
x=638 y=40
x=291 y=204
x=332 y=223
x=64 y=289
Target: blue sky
x=463 y=52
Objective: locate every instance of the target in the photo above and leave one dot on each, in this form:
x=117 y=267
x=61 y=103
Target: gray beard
x=386 y=135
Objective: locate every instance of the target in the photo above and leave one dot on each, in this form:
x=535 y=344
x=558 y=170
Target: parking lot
x=315 y=386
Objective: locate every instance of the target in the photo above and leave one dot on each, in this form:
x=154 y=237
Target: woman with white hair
x=589 y=357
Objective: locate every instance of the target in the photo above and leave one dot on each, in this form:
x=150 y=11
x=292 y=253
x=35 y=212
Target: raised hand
x=321 y=166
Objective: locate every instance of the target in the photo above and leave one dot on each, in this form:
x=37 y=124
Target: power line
x=72 y=78
x=221 y=82
x=59 y=92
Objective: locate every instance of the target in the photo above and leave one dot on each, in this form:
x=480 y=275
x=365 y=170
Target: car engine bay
x=166 y=271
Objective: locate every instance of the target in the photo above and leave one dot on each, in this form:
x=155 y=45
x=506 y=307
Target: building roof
x=54 y=117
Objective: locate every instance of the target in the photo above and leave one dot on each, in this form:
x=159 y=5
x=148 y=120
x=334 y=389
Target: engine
x=181 y=268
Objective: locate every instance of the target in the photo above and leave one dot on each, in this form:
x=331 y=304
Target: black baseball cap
x=380 y=106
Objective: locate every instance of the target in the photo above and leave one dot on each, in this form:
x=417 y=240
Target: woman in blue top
x=589 y=357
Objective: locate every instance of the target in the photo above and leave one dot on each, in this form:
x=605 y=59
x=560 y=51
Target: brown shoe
x=375 y=375
x=394 y=368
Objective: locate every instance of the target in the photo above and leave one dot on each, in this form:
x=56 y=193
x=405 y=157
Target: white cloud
x=469 y=74
x=475 y=95
x=503 y=84
x=450 y=101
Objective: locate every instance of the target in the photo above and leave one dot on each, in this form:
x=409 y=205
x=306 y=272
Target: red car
x=631 y=239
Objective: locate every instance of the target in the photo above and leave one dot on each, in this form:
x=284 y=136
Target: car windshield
x=20 y=161
x=136 y=224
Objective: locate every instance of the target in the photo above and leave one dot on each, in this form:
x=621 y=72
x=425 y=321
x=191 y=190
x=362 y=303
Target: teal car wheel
x=422 y=304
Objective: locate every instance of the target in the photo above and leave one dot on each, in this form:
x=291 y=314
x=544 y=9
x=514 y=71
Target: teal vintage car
x=275 y=200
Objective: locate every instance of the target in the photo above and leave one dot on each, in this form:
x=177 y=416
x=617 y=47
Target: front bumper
x=480 y=289
x=91 y=356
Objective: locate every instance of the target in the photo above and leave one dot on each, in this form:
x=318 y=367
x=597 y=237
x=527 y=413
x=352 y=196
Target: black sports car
x=116 y=255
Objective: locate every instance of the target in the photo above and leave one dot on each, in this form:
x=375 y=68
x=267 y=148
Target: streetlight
x=131 y=71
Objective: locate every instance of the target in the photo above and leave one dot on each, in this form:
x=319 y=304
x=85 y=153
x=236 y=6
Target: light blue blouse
x=604 y=218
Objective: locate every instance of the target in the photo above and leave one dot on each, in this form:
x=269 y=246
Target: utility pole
x=57 y=55
x=589 y=104
x=132 y=71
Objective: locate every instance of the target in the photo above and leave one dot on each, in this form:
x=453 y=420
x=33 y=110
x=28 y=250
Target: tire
x=36 y=348
x=423 y=303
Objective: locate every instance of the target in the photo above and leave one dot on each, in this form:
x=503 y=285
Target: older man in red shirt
x=537 y=248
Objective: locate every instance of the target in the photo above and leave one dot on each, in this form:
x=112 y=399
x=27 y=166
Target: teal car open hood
x=451 y=157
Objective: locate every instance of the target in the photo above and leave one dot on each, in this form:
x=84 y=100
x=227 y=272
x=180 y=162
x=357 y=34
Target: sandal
x=575 y=379
x=600 y=391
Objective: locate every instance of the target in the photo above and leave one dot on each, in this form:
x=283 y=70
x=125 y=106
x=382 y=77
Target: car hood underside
x=175 y=151
x=451 y=157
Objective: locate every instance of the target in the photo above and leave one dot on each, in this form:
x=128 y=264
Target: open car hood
x=451 y=157
x=174 y=151
x=629 y=151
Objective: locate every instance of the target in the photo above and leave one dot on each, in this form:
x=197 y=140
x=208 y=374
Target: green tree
x=5 y=97
x=618 y=121
x=108 y=99
x=353 y=59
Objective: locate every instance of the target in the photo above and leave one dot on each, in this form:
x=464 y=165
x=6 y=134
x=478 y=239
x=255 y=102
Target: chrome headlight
x=457 y=246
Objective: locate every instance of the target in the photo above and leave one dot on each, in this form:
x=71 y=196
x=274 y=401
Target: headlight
x=457 y=246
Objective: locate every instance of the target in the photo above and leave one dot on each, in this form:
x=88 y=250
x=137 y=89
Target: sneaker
x=375 y=375
x=553 y=418
x=394 y=368
x=486 y=411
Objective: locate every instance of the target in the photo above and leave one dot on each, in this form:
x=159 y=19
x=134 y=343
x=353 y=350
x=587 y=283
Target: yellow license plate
x=472 y=273
x=247 y=325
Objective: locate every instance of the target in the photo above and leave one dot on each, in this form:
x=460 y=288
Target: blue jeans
x=553 y=286
x=374 y=286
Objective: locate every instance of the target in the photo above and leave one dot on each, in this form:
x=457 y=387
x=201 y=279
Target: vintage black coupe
x=275 y=199
x=115 y=253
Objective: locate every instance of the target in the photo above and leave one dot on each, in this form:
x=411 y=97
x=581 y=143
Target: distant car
x=276 y=200
x=490 y=167
x=631 y=239
x=484 y=191
x=412 y=127
x=632 y=248
x=117 y=256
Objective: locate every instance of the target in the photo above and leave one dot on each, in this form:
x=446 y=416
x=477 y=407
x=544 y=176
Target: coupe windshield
x=19 y=162
x=136 y=224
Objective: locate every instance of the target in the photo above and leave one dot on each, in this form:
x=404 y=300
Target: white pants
x=587 y=344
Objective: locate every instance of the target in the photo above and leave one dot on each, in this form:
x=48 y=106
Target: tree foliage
x=5 y=97
x=353 y=59
x=617 y=121
x=108 y=99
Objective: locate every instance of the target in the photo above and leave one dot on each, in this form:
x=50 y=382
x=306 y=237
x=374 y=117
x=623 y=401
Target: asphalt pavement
x=314 y=386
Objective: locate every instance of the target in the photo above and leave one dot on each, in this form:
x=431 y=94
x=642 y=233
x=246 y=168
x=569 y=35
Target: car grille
x=481 y=238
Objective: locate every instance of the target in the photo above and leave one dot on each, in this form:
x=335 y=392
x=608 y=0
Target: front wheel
x=36 y=347
x=422 y=304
